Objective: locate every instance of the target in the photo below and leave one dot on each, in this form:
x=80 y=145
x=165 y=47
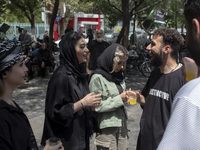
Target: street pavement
x=31 y=98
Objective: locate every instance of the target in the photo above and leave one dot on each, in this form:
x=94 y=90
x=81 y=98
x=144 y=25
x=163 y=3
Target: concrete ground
x=31 y=97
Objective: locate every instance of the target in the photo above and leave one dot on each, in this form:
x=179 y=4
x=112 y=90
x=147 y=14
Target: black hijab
x=9 y=55
x=105 y=65
x=68 y=56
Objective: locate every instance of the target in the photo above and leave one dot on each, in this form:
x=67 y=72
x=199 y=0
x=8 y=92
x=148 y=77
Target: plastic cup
x=191 y=69
x=53 y=141
x=132 y=99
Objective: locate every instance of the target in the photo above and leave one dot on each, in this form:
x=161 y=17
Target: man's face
x=99 y=34
x=155 y=48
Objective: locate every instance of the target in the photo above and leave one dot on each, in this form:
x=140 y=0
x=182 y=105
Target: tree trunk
x=123 y=36
x=120 y=36
x=32 y=21
x=53 y=17
x=126 y=22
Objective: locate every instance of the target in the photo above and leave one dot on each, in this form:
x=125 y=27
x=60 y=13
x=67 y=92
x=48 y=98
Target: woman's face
x=81 y=50
x=16 y=76
x=120 y=64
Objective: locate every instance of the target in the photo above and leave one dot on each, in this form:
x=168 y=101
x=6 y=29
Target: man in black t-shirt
x=158 y=94
x=96 y=48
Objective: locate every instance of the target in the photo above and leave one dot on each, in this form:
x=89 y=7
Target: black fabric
x=67 y=85
x=4 y=28
x=9 y=54
x=60 y=120
x=15 y=129
x=69 y=59
x=96 y=49
x=159 y=93
x=105 y=66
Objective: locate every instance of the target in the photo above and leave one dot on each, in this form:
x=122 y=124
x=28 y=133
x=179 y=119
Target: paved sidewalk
x=31 y=97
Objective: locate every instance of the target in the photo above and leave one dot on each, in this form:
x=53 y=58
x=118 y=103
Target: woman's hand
x=91 y=99
x=59 y=146
x=124 y=96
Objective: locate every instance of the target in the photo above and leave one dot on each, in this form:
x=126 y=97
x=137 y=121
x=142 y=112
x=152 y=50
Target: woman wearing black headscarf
x=67 y=115
x=111 y=116
x=15 y=130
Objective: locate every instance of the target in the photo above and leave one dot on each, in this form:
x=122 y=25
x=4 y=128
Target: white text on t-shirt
x=159 y=93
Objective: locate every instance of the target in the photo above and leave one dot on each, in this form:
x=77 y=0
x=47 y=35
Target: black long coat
x=60 y=120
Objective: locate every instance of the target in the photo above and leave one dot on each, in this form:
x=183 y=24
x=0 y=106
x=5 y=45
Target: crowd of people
x=86 y=96
x=36 y=54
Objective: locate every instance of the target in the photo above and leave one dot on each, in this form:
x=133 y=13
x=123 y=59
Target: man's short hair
x=170 y=37
x=191 y=10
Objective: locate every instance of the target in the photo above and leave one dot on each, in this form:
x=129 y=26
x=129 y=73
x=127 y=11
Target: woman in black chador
x=67 y=107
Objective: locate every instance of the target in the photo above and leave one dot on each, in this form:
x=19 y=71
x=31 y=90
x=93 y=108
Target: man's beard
x=156 y=60
x=99 y=39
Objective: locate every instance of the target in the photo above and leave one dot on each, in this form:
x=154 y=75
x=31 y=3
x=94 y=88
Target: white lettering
x=159 y=93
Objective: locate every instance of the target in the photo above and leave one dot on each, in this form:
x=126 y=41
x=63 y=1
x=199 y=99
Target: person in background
x=46 y=37
x=67 y=105
x=32 y=59
x=182 y=131
x=69 y=29
x=96 y=48
x=158 y=94
x=45 y=59
x=27 y=37
x=16 y=132
x=108 y=80
x=183 y=52
x=89 y=36
x=21 y=35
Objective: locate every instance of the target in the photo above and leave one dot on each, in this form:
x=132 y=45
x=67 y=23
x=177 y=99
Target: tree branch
x=152 y=5
x=146 y=30
x=114 y=6
x=137 y=4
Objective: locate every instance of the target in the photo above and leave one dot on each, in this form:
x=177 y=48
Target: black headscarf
x=68 y=56
x=105 y=65
x=9 y=54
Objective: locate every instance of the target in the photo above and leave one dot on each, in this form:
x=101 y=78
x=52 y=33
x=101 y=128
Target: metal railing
x=13 y=30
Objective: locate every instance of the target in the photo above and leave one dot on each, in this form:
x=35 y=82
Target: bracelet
x=82 y=105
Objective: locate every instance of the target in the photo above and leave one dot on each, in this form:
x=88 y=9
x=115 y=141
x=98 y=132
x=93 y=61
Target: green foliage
x=102 y=7
x=14 y=10
x=175 y=7
x=170 y=6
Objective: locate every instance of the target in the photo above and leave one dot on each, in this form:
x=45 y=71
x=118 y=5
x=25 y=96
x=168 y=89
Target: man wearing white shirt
x=183 y=129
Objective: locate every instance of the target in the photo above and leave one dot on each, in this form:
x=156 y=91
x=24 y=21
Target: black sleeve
x=59 y=102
